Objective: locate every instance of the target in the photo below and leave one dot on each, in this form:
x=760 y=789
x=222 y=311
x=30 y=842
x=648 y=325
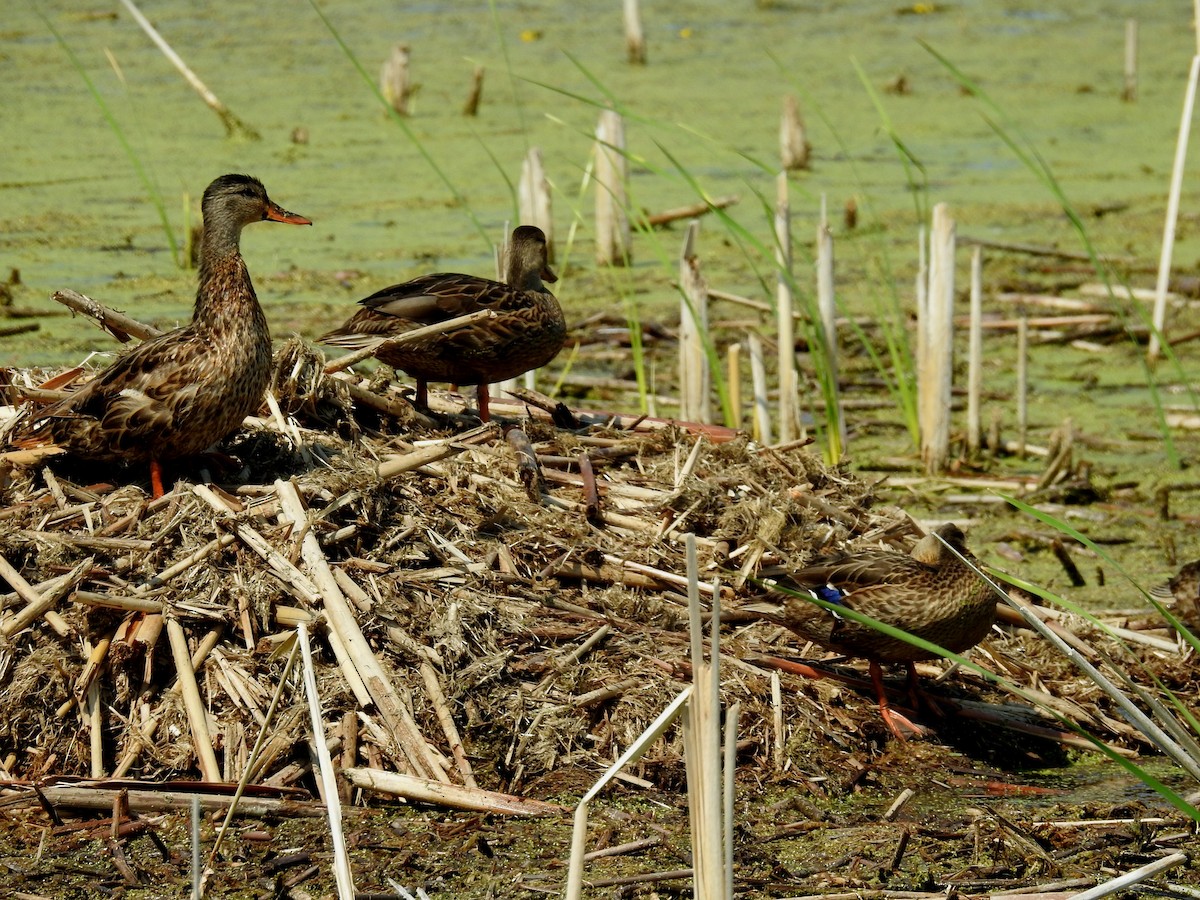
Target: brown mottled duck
x=177 y=394
x=1184 y=589
x=929 y=593
x=526 y=331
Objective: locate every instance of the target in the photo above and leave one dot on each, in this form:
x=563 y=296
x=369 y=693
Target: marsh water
x=74 y=211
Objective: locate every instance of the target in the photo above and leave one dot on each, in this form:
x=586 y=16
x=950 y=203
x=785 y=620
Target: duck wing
x=137 y=399
x=854 y=572
x=440 y=297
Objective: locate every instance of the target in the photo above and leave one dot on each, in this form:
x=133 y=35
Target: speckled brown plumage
x=929 y=593
x=1184 y=589
x=527 y=331
x=177 y=394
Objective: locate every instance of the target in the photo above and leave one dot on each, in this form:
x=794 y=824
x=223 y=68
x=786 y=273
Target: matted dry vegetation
x=494 y=589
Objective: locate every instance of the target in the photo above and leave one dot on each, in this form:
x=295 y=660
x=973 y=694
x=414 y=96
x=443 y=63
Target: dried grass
x=456 y=565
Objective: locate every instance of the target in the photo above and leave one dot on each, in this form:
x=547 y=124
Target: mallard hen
x=526 y=332
x=929 y=593
x=177 y=394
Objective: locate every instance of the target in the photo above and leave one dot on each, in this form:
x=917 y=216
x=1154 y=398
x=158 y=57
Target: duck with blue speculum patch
x=931 y=592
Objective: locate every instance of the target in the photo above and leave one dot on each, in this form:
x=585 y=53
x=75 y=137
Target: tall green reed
x=895 y=364
x=1027 y=153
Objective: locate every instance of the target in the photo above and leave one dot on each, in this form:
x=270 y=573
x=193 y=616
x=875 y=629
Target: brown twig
x=119 y=325
x=691 y=211
x=1068 y=564
x=591 y=496
x=528 y=469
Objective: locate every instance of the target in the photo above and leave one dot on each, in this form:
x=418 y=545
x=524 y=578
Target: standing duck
x=930 y=593
x=177 y=394
x=526 y=331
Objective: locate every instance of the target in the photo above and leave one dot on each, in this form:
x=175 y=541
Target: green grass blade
x=134 y=160
x=459 y=198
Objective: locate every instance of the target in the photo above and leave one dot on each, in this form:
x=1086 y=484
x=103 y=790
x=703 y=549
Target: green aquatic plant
x=1027 y=153
x=131 y=154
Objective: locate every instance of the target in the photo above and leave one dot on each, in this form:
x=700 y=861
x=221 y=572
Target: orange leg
x=896 y=722
x=156 y=485
x=482 y=393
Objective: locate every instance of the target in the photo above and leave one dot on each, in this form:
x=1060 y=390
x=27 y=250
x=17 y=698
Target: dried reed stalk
x=785 y=324
x=635 y=37
x=118 y=324
x=591 y=493
x=733 y=379
x=1022 y=385
x=197 y=715
x=975 y=356
x=1129 y=90
x=475 y=94
x=441 y=706
x=372 y=346
x=528 y=469
x=694 y=374
x=1172 y=217
x=702 y=741
x=233 y=125
x=691 y=211
x=534 y=199
x=614 y=237
x=395 y=80
x=826 y=304
x=454 y=796
x=143 y=798
x=343 y=877
x=937 y=365
x=793 y=138
x=432 y=453
x=758 y=381
x=358 y=653
x=1133 y=877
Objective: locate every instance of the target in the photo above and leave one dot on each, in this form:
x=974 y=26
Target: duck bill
x=548 y=275
x=277 y=213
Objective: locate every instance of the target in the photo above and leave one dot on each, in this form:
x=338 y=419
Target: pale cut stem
x=341 y=858
x=758 y=380
x=1022 y=384
x=1168 y=239
x=197 y=715
x=975 y=355
x=785 y=324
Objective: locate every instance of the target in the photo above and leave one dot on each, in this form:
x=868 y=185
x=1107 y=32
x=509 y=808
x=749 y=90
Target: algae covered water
x=702 y=115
